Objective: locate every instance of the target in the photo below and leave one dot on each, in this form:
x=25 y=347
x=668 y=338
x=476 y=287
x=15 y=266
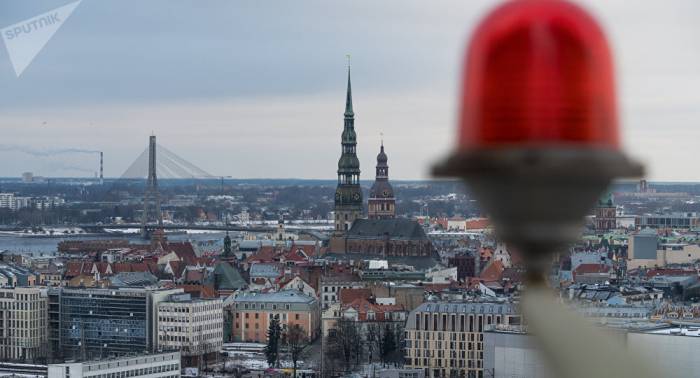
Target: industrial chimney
x=101 y=167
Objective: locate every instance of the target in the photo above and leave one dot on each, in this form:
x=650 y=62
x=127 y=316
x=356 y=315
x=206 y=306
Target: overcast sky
x=256 y=89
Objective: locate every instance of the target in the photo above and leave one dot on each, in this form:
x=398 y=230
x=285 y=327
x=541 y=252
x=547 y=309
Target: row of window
x=140 y=372
x=25 y=306
x=444 y=336
x=461 y=323
x=455 y=363
x=438 y=345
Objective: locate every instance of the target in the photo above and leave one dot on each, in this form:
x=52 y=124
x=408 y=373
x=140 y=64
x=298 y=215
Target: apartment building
x=446 y=339
x=23 y=323
x=193 y=326
x=332 y=283
x=253 y=311
x=158 y=365
x=7 y=201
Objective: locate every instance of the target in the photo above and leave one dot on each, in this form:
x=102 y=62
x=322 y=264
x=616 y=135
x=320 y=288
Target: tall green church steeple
x=348 y=99
x=348 y=195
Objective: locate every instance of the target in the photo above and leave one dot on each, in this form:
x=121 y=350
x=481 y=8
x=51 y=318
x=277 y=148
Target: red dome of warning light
x=538 y=72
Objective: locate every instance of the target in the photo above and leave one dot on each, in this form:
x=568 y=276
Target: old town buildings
x=252 y=312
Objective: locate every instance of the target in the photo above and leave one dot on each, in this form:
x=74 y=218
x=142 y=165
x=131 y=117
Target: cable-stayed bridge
x=153 y=163
x=168 y=166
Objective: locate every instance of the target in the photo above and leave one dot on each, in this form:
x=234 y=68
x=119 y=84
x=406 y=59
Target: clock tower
x=381 y=203
x=348 y=194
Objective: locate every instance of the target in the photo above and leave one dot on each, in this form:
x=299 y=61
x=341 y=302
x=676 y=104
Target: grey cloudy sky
x=256 y=88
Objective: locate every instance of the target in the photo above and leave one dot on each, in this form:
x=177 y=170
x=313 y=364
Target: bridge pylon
x=151 y=198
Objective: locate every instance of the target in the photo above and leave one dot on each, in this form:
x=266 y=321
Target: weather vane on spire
x=348 y=58
x=381 y=137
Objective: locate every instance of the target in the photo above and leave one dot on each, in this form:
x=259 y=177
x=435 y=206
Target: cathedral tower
x=382 y=203
x=348 y=195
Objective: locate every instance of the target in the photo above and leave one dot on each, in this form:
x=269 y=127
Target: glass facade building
x=97 y=323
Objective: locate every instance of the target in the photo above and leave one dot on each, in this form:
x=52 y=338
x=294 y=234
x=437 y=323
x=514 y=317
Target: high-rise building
x=446 y=339
x=381 y=202
x=193 y=326
x=7 y=201
x=54 y=324
x=23 y=324
x=97 y=323
x=348 y=195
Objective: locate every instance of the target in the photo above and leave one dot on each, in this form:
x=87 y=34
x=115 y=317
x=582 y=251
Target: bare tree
x=344 y=345
x=296 y=340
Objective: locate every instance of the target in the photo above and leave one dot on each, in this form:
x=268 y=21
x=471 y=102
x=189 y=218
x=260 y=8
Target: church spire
x=348 y=97
x=348 y=194
x=381 y=203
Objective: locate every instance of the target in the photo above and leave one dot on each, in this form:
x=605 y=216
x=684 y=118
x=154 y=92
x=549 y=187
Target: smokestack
x=101 y=175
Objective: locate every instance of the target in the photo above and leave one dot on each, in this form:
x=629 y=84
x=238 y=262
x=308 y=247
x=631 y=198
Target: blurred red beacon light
x=538 y=73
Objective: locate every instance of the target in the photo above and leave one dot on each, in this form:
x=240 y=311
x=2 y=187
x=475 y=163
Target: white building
x=673 y=350
x=23 y=323
x=193 y=326
x=7 y=201
x=161 y=365
x=442 y=275
x=510 y=352
x=500 y=253
x=12 y=202
x=297 y=283
x=45 y=202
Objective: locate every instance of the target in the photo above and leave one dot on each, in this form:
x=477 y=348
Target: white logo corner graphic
x=25 y=39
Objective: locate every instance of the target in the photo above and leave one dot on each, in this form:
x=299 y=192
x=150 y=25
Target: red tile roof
x=193 y=276
x=296 y=255
x=363 y=306
x=669 y=272
x=493 y=271
x=591 y=269
x=184 y=251
x=477 y=224
x=265 y=254
x=199 y=291
x=347 y=296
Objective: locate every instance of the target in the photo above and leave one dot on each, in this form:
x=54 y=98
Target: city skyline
x=111 y=76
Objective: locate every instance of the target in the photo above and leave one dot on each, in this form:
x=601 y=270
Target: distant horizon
x=332 y=180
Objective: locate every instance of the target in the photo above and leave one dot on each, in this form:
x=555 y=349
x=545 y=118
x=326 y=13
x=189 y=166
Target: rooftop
x=284 y=296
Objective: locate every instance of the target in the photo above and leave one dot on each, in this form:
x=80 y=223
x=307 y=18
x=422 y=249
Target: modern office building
x=23 y=324
x=253 y=311
x=158 y=365
x=509 y=351
x=193 y=326
x=54 y=324
x=446 y=339
x=642 y=248
x=99 y=323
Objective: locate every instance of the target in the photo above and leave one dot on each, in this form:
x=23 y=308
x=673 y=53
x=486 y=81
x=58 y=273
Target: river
x=47 y=246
